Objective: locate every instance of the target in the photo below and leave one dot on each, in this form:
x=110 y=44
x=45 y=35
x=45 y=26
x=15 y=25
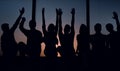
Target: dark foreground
x=47 y=64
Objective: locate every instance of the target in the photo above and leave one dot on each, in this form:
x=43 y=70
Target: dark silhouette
x=113 y=36
x=116 y=49
x=110 y=36
x=101 y=45
x=98 y=45
x=50 y=36
x=8 y=43
x=113 y=39
x=50 y=40
x=67 y=38
x=110 y=43
x=83 y=49
x=34 y=38
x=22 y=48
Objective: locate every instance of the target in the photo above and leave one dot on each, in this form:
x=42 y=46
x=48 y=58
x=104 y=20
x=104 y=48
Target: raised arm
x=21 y=26
x=60 y=22
x=43 y=20
x=73 y=21
x=115 y=16
x=18 y=20
x=56 y=26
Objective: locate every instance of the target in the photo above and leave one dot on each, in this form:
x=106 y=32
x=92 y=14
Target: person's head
x=97 y=28
x=5 y=27
x=83 y=28
x=51 y=28
x=32 y=24
x=67 y=29
x=109 y=27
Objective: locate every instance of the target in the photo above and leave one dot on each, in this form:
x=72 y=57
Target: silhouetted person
x=113 y=39
x=113 y=36
x=98 y=45
x=50 y=40
x=50 y=36
x=22 y=49
x=110 y=36
x=83 y=46
x=116 y=49
x=34 y=38
x=67 y=38
x=8 y=43
x=110 y=42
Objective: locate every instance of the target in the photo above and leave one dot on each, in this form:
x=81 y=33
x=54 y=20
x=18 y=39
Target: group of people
x=100 y=43
x=35 y=37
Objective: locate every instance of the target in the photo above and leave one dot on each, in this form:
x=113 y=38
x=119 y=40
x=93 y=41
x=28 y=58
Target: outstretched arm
x=21 y=26
x=43 y=20
x=60 y=22
x=73 y=21
x=18 y=20
x=56 y=27
x=115 y=16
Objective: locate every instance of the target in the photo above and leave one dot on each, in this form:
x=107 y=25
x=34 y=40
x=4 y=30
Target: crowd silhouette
x=103 y=53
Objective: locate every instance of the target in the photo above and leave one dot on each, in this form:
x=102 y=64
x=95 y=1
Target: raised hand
x=115 y=15
x=57 y=11
x=60 y=11
x=22 y=10
x=73 y=11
